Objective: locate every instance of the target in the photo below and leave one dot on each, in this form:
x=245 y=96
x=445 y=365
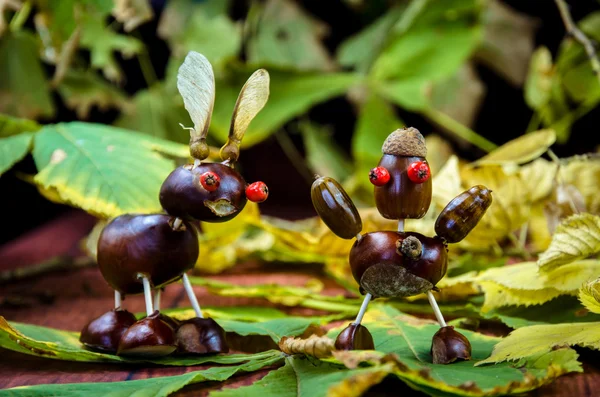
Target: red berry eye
x=257 y=192
x=210 y=181
x=419 y=172
x=379 y=176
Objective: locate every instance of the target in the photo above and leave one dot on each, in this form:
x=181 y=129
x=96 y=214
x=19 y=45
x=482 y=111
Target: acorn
x=201 y=336
x=394 y=264
x=354 y=337
x=104 y=333
x=149 y=337
x=463 y=213
x=335 y=207
x=133 y=245
x=407 y=194
x=210 y=192
x=449 y=346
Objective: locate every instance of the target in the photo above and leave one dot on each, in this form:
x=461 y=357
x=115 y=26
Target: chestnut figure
x=183 y=195
x=399 y=263
x=134 y=245
x=104 y=333
x=142 y=253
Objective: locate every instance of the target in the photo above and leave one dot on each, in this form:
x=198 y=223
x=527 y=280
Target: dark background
x=502 y=117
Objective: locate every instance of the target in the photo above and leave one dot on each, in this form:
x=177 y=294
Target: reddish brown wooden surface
x=67 y=300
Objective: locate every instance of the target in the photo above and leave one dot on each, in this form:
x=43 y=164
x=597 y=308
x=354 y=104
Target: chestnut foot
x=149 y=337
x=355 y=337
x=104 y=333
x=449 y=346
x=201 y=336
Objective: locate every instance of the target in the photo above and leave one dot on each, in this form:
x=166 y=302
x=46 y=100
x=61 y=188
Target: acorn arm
x=463 y=213
x=335 y=208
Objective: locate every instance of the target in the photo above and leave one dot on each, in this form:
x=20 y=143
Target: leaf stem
x=20 y=17
x=145 y=64
x=292 y=153
x=448 y=123
x=578 y=35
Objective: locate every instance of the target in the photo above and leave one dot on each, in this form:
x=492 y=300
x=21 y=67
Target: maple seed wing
x=252 y=99
x=196 y=84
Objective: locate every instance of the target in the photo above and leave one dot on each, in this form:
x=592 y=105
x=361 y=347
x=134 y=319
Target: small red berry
x=419 y=172
x=210 y=181
x=257 y=192
x=379 y=176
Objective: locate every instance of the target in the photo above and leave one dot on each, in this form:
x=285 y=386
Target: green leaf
x=276 y=329
x=104 y=170
x=409 y=339
x=64 y=345
x=302 y=378
x=361 y=49
x=13 y=149
x=521 y=150
x=575 y=238
x=376 y=120
x=292 y=94
x=82 y=91
x=10 y=126
x=24 y=91
x=205 y=28
x=538 y=86
x=323 y=155
x=238 y=313
x=538 y=339
x=285 y=36
x=589 y=295
x=157 y=112
x=156 y=387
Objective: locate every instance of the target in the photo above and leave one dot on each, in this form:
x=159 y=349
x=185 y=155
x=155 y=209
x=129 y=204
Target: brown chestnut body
x=104 y=333
x=463 y=213
x=183 y=196
x=449 y=345
x=149 y=337
x=335 y=207
x=401 y=198
x=201 y=336
x=354 y=337
x=382 y=269
x=133 y=245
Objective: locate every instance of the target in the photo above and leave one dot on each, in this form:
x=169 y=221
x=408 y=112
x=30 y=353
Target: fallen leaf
x=520 y=150
x=589 y=295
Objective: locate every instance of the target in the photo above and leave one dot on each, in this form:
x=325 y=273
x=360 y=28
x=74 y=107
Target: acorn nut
x=335 y=207
x=463 y=213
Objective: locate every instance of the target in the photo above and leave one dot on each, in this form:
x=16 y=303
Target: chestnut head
x=210 y=192
x=406 y=193
x=397 y=264
x=131 y=245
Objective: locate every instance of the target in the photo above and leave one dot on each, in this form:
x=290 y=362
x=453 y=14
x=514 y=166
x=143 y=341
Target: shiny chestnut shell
x=182 y=195
x=201 y=336
x=401 y=198
x=354 y=337
x=131 y=245
x=104 y=333
x=380 y=247
x=335 y=207
x=449 y=345
x=463 y=213
x=149 y=337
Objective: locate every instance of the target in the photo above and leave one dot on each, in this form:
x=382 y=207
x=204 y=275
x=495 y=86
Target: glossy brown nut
x=145 y=244
x=354 y=337
x=463 y=213
x=381 y=248
x=201 y=336
x=182 y=195
x=449 y=346
x=401 y=198
x=170 y=321
x=104 y=333
x=149 y=337
x=335 y=207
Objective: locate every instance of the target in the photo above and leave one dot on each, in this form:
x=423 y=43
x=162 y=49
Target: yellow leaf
x=538 y=233
x=521 y=150
x=528 y=341
x=447 y=183
x=584 y=174
x=358 y=384
x=543 y=172
x=575 y=238
x=589 y=295
x=497 y=296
